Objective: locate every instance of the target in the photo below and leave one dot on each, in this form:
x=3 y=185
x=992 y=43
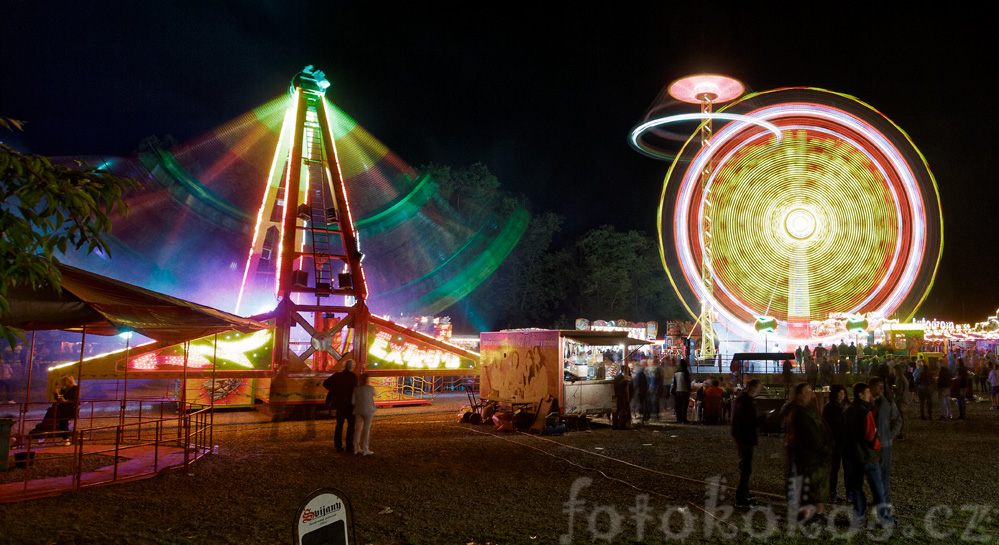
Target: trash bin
x=6 y=424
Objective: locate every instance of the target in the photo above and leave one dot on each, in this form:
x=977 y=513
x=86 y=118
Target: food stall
x=524 y=367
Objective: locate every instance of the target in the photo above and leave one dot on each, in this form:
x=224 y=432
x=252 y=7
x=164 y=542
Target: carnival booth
x=524 y=367
x=676 y=337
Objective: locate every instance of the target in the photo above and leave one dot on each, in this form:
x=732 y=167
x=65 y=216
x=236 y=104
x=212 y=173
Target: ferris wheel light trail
x=842 y=215
x=636 y=134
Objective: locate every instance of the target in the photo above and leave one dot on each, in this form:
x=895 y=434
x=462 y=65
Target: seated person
x=61 y=413
x=699 y=396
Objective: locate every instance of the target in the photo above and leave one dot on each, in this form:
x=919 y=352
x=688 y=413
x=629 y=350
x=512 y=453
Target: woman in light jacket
x=364 y=410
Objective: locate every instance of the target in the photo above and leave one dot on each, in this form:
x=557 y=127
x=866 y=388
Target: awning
x=107 y=307
x=603 y=338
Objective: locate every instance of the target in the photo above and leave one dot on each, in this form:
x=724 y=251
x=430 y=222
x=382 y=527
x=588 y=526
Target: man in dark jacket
x=833 y=415
x=659 y=386
x=811 y=373
x=825 y=373
x=788 y=375
x=925 y=388
x=808 y=446
x=622 y=395
x=745 y=422
x=842 y=370
x=340 y=398
x=642 y=388
x=863 y=450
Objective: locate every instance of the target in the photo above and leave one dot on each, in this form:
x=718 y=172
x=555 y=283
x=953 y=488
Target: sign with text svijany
x=324 y=518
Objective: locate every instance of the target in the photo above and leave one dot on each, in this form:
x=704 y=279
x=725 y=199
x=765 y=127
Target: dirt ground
x=435 y=480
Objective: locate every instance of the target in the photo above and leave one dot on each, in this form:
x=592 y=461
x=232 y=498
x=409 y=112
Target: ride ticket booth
x=524 y=367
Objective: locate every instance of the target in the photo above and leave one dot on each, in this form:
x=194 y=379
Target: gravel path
x=434 y=480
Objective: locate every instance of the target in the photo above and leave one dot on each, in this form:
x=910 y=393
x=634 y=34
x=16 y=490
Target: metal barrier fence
x=113 y=441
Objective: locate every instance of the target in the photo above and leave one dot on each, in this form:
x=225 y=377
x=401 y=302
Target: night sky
x=545 y=98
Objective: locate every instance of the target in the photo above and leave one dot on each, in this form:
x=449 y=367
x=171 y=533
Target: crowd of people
x=855 y=436
x=840 y=452
x=855 y=431
x=646 y=389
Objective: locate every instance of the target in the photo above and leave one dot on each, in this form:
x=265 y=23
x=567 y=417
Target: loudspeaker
x=300 y=279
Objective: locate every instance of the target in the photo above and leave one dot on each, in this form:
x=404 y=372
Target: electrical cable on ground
x=606 y=476
x=665 y=474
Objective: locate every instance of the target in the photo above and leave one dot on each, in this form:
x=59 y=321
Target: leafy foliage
x=48 y=209
x=619 y=275
x=473 y=192
x=602 y=274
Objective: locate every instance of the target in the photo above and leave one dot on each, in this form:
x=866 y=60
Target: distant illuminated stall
x=643 y=331
x=676 y=336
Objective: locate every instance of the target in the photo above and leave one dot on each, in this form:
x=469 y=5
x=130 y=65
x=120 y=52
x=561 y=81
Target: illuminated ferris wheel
x=839 y=214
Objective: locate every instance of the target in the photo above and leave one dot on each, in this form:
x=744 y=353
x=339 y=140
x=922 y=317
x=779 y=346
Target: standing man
x=889 y=423
x=340 y=398
x=994 y=384
x=681 y=392
x=832 y=415
x=736 y=369
x=842 y=370
x=944 y=377
x=809 y=452
x=925 y=388
x=863 y=450
x=788 y=377
x=811 y=372
x=659 y=385
x=963 y=381
x=745 y=422
x=642 y=386
x=901 y=398
x=825 y=372
x=622 y=395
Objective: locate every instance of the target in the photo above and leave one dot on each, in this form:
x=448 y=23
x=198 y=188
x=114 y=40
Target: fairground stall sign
x=643 y=331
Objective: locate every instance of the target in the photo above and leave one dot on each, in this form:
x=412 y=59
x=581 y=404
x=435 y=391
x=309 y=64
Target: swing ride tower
x=305 y=242
x=306 y=249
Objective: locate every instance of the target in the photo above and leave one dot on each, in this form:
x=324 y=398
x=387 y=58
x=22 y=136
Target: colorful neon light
x=845 y=199
x=392 y=350
x=714 y=87
x=637 y=132
x=280 y=153
x=233 y=352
